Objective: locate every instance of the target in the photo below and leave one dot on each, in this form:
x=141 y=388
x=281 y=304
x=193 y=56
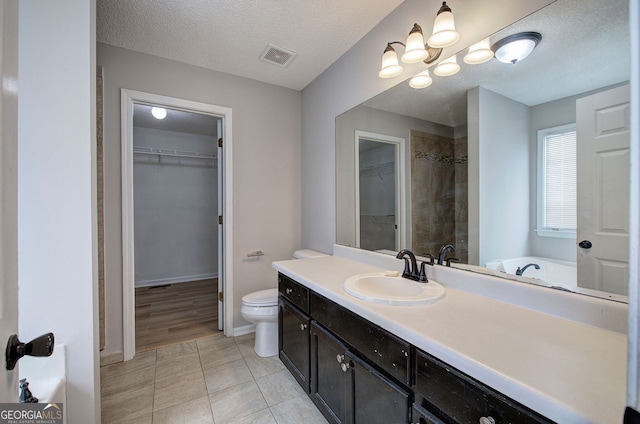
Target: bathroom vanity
x=466 y=358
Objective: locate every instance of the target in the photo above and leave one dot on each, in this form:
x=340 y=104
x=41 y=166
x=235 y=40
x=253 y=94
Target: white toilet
x=261 y=308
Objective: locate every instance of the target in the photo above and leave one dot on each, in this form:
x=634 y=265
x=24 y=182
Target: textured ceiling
x=585 y=45
x=230 y=35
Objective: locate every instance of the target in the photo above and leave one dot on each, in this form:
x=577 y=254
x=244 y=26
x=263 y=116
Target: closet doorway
x=174 y=191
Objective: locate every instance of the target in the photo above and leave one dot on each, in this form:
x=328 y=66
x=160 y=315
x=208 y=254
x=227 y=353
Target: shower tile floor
x=216 y=380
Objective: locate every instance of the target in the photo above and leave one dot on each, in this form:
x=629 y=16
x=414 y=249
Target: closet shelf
x=169 y=152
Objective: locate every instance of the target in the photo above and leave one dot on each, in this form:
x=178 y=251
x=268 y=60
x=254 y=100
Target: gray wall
x=266 y=167
x=354 y=78
x=175 y=205
x=500 y=176
x=58 y=282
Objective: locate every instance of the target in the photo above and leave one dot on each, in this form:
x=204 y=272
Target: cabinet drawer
x=375 y=344
x=294 y=292
x=454 y=397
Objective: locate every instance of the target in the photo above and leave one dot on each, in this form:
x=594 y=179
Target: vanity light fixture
x=514 y=48
x=422 y=80
x=159 y=112
x=444 y=29
x=390 y=66
x=447 y=67
x=479 y=52
x=415 y=50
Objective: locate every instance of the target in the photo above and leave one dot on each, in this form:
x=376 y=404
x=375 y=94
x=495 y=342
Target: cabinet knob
x=345 y=367
x=487 y=420
x=288 y=291
x=303 y=326
x=339 y=358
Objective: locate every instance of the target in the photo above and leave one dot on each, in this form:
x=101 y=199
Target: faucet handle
x=422 y=277
x=449 y=260
x=407 y=267
x=432 y=259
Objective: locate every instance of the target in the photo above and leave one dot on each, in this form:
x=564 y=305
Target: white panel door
x=220 y=258
x=8 y=192
x=603 y=190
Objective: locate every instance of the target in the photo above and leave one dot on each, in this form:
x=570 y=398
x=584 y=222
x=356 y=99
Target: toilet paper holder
x=254 y=253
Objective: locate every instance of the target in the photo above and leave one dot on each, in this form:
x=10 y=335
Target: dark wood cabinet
x=347 y=389
x=293 y=341
x=454 y=397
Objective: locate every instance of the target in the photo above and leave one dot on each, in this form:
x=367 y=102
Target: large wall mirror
x=490 y=153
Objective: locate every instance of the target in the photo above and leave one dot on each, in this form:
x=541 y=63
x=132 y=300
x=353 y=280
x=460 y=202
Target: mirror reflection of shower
x=380 y=190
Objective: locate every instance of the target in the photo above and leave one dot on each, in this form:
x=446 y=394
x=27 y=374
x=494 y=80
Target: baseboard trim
x=175 y=280
x=241 y=331
x=112 y=358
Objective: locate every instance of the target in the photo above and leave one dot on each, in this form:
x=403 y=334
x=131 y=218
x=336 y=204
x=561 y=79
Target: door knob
x=585 y=244
x=40 y=346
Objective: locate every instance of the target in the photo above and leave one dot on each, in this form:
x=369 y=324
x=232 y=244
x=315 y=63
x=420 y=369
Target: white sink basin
x=392 y=290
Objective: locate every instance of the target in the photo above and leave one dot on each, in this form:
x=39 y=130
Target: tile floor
x=217 y=380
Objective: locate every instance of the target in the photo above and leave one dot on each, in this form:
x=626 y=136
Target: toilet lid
x=267 y=297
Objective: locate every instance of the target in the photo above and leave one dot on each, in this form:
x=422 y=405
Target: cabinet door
x=293 y=342
x=376 y=398
x=422 y=416
x=331 y=377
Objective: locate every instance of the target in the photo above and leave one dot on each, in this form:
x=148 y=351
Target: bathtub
x=552 y=271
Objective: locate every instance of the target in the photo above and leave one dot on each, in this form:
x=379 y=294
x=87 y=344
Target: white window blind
x=559 y=195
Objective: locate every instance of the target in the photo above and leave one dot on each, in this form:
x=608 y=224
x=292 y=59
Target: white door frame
x=225 y=278
x=401 y=194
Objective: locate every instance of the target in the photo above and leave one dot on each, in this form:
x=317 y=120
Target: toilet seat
x=262 y=298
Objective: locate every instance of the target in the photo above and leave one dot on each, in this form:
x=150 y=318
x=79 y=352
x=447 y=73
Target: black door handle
x=585 y=244
x=40 y=346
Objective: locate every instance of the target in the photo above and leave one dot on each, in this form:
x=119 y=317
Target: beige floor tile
x=247 y=338
x=169 y=352
x=261 y=417
x=279 y=387
x=297 y=410
x=141 y=360
x=246 y=345
x=178 y=366
x=127 y=406
x=214 y=357
x=196 y=411
x=218 y=340
x=227 y=375
x=174 y=391
x=261 y=367
x=236 y=402
x=130 y=381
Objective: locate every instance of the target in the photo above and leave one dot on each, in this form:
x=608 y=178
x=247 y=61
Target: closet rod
x=176 y=153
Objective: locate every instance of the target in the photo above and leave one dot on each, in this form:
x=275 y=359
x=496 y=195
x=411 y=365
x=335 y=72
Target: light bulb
x=390 y=67
x=421 y=80
x=479 y=52
x=159 y=112
x=447 y=67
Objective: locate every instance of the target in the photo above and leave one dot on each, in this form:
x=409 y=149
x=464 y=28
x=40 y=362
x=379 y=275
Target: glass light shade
x=480 y=52
x=515 y=51
x=447 y=67
x=158 y=112
x=444 y=31
x=390 y=67
x=422 y=80
x=415 y=51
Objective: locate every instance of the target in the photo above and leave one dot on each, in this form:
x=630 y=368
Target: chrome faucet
x=411 y=268
x=443 y=251
x=519 y=271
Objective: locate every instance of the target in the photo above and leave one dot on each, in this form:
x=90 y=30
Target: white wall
x=9 y=188
x=498 y=146
x=56 y=190
x=354 y=78
x=266 y=168
x=175 y=237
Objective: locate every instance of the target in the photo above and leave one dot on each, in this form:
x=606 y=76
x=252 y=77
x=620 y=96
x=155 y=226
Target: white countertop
x=567 y=371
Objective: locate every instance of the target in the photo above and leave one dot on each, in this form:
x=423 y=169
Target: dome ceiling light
x=514 y=48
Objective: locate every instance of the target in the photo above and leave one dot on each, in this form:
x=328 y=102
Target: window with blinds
x=557 y=188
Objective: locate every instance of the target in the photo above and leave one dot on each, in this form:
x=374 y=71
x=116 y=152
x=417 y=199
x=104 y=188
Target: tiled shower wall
x=438 y=193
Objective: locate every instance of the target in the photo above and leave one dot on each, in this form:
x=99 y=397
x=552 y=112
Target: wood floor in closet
x=176 y=313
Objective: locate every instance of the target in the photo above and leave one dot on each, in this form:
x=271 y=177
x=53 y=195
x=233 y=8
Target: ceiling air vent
x=277 y=55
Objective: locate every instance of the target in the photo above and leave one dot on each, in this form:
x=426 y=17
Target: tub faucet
x=411 y=269
x=443 y=251
x=519 y=271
